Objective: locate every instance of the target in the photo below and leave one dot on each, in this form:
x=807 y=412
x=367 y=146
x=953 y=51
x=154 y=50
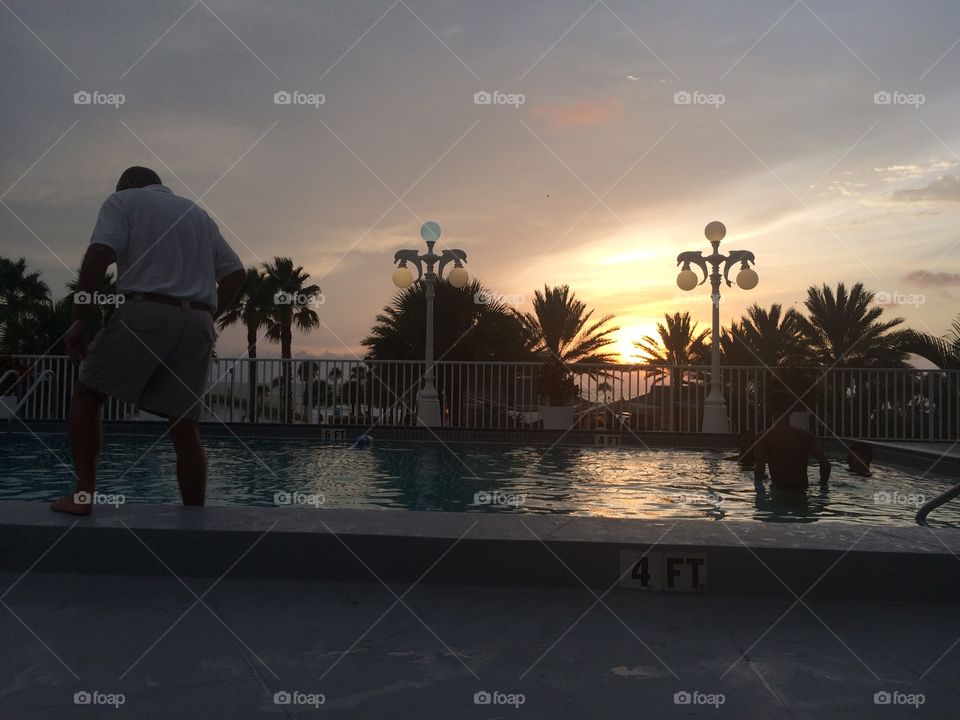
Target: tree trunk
x=252 y=373
x=286 y=340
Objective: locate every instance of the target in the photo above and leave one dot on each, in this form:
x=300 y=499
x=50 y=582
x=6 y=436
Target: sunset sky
x=598 y=179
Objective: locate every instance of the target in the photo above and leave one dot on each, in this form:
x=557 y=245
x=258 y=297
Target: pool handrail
x=3 y=379
x=939 y=500
x=39 y=380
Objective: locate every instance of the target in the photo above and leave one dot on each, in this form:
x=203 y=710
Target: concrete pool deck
x=151 y=643
x=218 y=611
x=723 y=558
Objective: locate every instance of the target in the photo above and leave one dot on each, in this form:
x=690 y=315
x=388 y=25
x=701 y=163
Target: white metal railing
x=883 y=404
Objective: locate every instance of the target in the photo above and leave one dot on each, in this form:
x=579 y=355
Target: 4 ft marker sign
x=663 y=570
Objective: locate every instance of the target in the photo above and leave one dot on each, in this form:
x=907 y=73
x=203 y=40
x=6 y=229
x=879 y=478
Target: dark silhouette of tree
x=20 y=291
x=250 y=308
x=677 y=342
x=843 y=328
x=467 y=326
x=291 y=302
x=769 y=337
x=561 y=332
x=944 y=352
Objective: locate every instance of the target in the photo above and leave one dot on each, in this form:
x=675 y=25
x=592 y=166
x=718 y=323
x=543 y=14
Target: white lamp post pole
x=715 y=407
x=428 y=406
x=428 y=402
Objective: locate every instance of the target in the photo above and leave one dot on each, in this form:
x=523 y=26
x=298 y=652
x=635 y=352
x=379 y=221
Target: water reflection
x=607 y=482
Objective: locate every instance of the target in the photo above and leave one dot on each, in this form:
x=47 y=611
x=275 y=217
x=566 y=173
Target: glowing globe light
x=458 y=277
x=747 y=279
x=715 y=231
x=402 y=277
x=687 y=280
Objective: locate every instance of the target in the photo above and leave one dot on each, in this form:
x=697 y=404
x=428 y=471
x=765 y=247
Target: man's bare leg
x=191 y=461
x=85 y=430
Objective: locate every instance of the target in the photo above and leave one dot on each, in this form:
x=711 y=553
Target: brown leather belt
x=167 y=300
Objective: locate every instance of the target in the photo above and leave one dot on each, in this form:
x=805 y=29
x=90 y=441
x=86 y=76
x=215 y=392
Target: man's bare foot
x=68 y=504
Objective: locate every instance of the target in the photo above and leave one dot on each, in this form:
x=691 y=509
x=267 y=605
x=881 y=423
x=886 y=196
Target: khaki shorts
x=153 y=355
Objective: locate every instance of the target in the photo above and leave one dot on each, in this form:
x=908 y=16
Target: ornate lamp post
x=428 y=405
x=715 y=408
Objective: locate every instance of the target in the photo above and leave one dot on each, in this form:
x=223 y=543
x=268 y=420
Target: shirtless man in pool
x=786 y=448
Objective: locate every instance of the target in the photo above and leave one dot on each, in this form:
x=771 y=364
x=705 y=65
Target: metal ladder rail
x=3 y=378
x=939 y=500
x=41 y=378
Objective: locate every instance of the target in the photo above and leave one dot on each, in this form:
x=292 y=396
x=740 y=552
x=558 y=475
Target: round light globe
x=747 y=279
x=458 y=277
x=715 y=231
x=402 y=277
x=430 y=231
x=687 y=280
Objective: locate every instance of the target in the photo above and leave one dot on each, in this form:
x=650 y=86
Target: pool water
x=565 y=480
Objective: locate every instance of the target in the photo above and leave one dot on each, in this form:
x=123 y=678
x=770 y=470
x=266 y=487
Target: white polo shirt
x=165 y=244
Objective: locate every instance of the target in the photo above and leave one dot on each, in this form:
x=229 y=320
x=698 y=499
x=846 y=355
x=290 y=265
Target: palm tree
x=764 y=337
x=560 y=326
x=39 y=332
x=469 y=324
x=250 y=308
x=844 y=329
x=944 y=352
x=561 y=331
x=678 y=344
x=940 y=388
x=38 y=324
x=769 y=338
x=22 y=293
x=286 y=285
x=464 y=328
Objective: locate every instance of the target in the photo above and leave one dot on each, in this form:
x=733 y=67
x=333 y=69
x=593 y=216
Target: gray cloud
x=945 y=189
x=925 y=277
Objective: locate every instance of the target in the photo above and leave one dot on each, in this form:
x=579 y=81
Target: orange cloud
x=586 y=113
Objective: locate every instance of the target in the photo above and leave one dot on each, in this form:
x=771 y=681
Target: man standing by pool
x=175 y=274
x=786 y=448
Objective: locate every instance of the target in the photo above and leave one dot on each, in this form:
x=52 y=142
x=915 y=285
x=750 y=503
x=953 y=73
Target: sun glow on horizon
x=624 y=346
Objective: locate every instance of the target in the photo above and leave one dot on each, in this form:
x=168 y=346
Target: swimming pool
x=564 y=480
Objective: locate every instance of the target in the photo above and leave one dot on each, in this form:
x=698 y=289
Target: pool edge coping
x=484 y=548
